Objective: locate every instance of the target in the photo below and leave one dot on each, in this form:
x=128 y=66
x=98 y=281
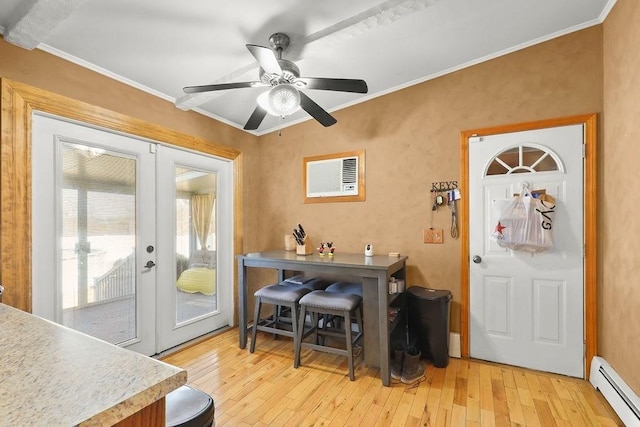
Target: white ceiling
x=161 y=46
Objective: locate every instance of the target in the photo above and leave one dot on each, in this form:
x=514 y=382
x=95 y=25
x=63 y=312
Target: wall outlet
x=432 y=235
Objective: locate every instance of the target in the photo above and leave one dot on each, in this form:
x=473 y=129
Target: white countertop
x=53 y=375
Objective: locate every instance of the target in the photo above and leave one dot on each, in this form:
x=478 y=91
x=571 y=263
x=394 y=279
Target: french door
x=132 y=240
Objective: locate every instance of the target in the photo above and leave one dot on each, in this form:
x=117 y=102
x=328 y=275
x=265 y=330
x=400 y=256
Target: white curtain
x=202 y=208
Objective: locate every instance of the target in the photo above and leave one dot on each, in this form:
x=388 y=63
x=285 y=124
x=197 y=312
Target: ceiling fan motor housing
x=279 y=42
x=290 y=72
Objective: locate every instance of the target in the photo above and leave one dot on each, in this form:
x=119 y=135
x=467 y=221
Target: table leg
x=242 y=304
x=376 y=326
x=383 y=322
x=370 y=322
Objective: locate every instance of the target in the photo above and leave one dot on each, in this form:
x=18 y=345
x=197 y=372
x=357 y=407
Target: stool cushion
x=284 y=293
x=189 y=407
x=313 y=283
x=345 y=288
x=331 y=300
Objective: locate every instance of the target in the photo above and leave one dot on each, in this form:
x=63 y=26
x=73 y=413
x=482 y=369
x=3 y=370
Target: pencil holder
x=289 y=242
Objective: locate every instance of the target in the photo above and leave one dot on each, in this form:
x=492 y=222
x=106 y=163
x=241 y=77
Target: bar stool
x=189 y=407
x=333 y=304
x=311 y=283
x=346 y=288
x=280 y=295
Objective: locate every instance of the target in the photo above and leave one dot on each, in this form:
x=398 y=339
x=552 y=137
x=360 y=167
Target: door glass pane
x=196 y=294
x=522 y=159
x=98 y=242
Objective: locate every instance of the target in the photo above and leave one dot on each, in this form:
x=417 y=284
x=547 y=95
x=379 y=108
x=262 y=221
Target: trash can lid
x=429 y=294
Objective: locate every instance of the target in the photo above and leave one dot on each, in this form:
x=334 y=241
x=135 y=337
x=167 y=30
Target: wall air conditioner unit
x=619 y=395
x=334 y=178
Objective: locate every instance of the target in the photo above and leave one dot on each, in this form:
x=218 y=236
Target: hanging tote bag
x=524 y=223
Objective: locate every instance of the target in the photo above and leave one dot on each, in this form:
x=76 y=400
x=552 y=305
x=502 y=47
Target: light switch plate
x=432 y=235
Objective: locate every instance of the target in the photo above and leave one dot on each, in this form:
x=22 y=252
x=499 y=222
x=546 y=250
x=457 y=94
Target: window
x=524 y=159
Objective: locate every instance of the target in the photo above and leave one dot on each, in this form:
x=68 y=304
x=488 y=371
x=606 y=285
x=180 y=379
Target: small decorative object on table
x=368 y=250
x=321 y=249
x=331 y=248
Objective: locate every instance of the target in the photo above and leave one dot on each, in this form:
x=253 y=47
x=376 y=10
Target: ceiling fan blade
x=222 y=86
x=256 y=118
x=266 y=58
x=316 y=111
x=341 y=85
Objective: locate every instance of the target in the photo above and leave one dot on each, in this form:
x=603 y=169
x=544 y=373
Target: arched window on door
x=524 y=158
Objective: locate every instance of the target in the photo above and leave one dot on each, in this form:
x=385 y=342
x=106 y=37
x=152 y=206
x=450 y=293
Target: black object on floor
x=428 y=322
x=189 y=407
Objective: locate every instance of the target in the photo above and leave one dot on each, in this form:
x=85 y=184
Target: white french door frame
x=155 y=326
x=169 y=332
x=589 y=121
x=47 y=229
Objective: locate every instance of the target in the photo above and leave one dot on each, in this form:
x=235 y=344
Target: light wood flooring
x=263 y=389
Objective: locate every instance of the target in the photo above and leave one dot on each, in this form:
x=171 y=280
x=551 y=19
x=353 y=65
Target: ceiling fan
x=283 y=77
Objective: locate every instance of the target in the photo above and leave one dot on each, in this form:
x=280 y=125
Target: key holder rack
x=443 y=186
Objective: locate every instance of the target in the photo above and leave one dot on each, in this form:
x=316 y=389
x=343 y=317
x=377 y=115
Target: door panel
x=527 y=309
x=194 y=240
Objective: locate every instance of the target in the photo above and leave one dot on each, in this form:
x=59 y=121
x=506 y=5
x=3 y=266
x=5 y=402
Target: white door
x=527 y=309
x=100 y=219
x=194 y=226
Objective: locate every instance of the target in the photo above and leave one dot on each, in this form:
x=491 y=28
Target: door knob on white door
x=477 y=259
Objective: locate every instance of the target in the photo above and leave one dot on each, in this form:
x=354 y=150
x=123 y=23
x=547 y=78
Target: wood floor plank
x=486 y=389
x=574 y=414
x=544 y=412
x=473 y=398
x=531 y=416
x=557 y=410
x=534 y=386
x=402 y=410
x=263 y=389
x=560 y=388
x=372 y=415
x=419 y=403
x=516 y=413
x=458 y=415
x=389 y=408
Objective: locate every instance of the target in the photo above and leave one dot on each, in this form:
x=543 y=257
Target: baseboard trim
x=454 y=345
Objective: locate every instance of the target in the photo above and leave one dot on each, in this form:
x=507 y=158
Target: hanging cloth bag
x=524 y=223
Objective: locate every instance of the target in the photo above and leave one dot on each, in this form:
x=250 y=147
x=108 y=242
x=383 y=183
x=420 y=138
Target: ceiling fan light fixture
x=281 y=100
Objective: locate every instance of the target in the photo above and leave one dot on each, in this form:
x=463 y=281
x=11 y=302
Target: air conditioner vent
x=350 y=170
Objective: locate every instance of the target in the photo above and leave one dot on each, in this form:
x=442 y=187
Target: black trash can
x=428 y=323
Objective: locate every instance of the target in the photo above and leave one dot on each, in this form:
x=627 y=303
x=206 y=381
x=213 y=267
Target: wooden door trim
x=17 y=103
x=590 y=223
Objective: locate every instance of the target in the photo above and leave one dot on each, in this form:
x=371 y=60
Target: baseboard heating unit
x=621 y=398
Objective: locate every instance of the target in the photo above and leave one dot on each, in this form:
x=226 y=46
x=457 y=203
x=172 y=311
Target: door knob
x=150 y=264
x=477 y=259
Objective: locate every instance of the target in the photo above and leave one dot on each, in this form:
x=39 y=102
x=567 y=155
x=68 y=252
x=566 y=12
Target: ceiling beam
x=33 y=20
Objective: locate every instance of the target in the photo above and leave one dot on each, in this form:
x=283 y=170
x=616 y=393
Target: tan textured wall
x=411 y=139
x=620 y=248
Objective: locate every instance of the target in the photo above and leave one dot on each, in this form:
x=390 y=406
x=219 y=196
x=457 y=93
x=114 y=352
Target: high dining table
x=374 y=271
